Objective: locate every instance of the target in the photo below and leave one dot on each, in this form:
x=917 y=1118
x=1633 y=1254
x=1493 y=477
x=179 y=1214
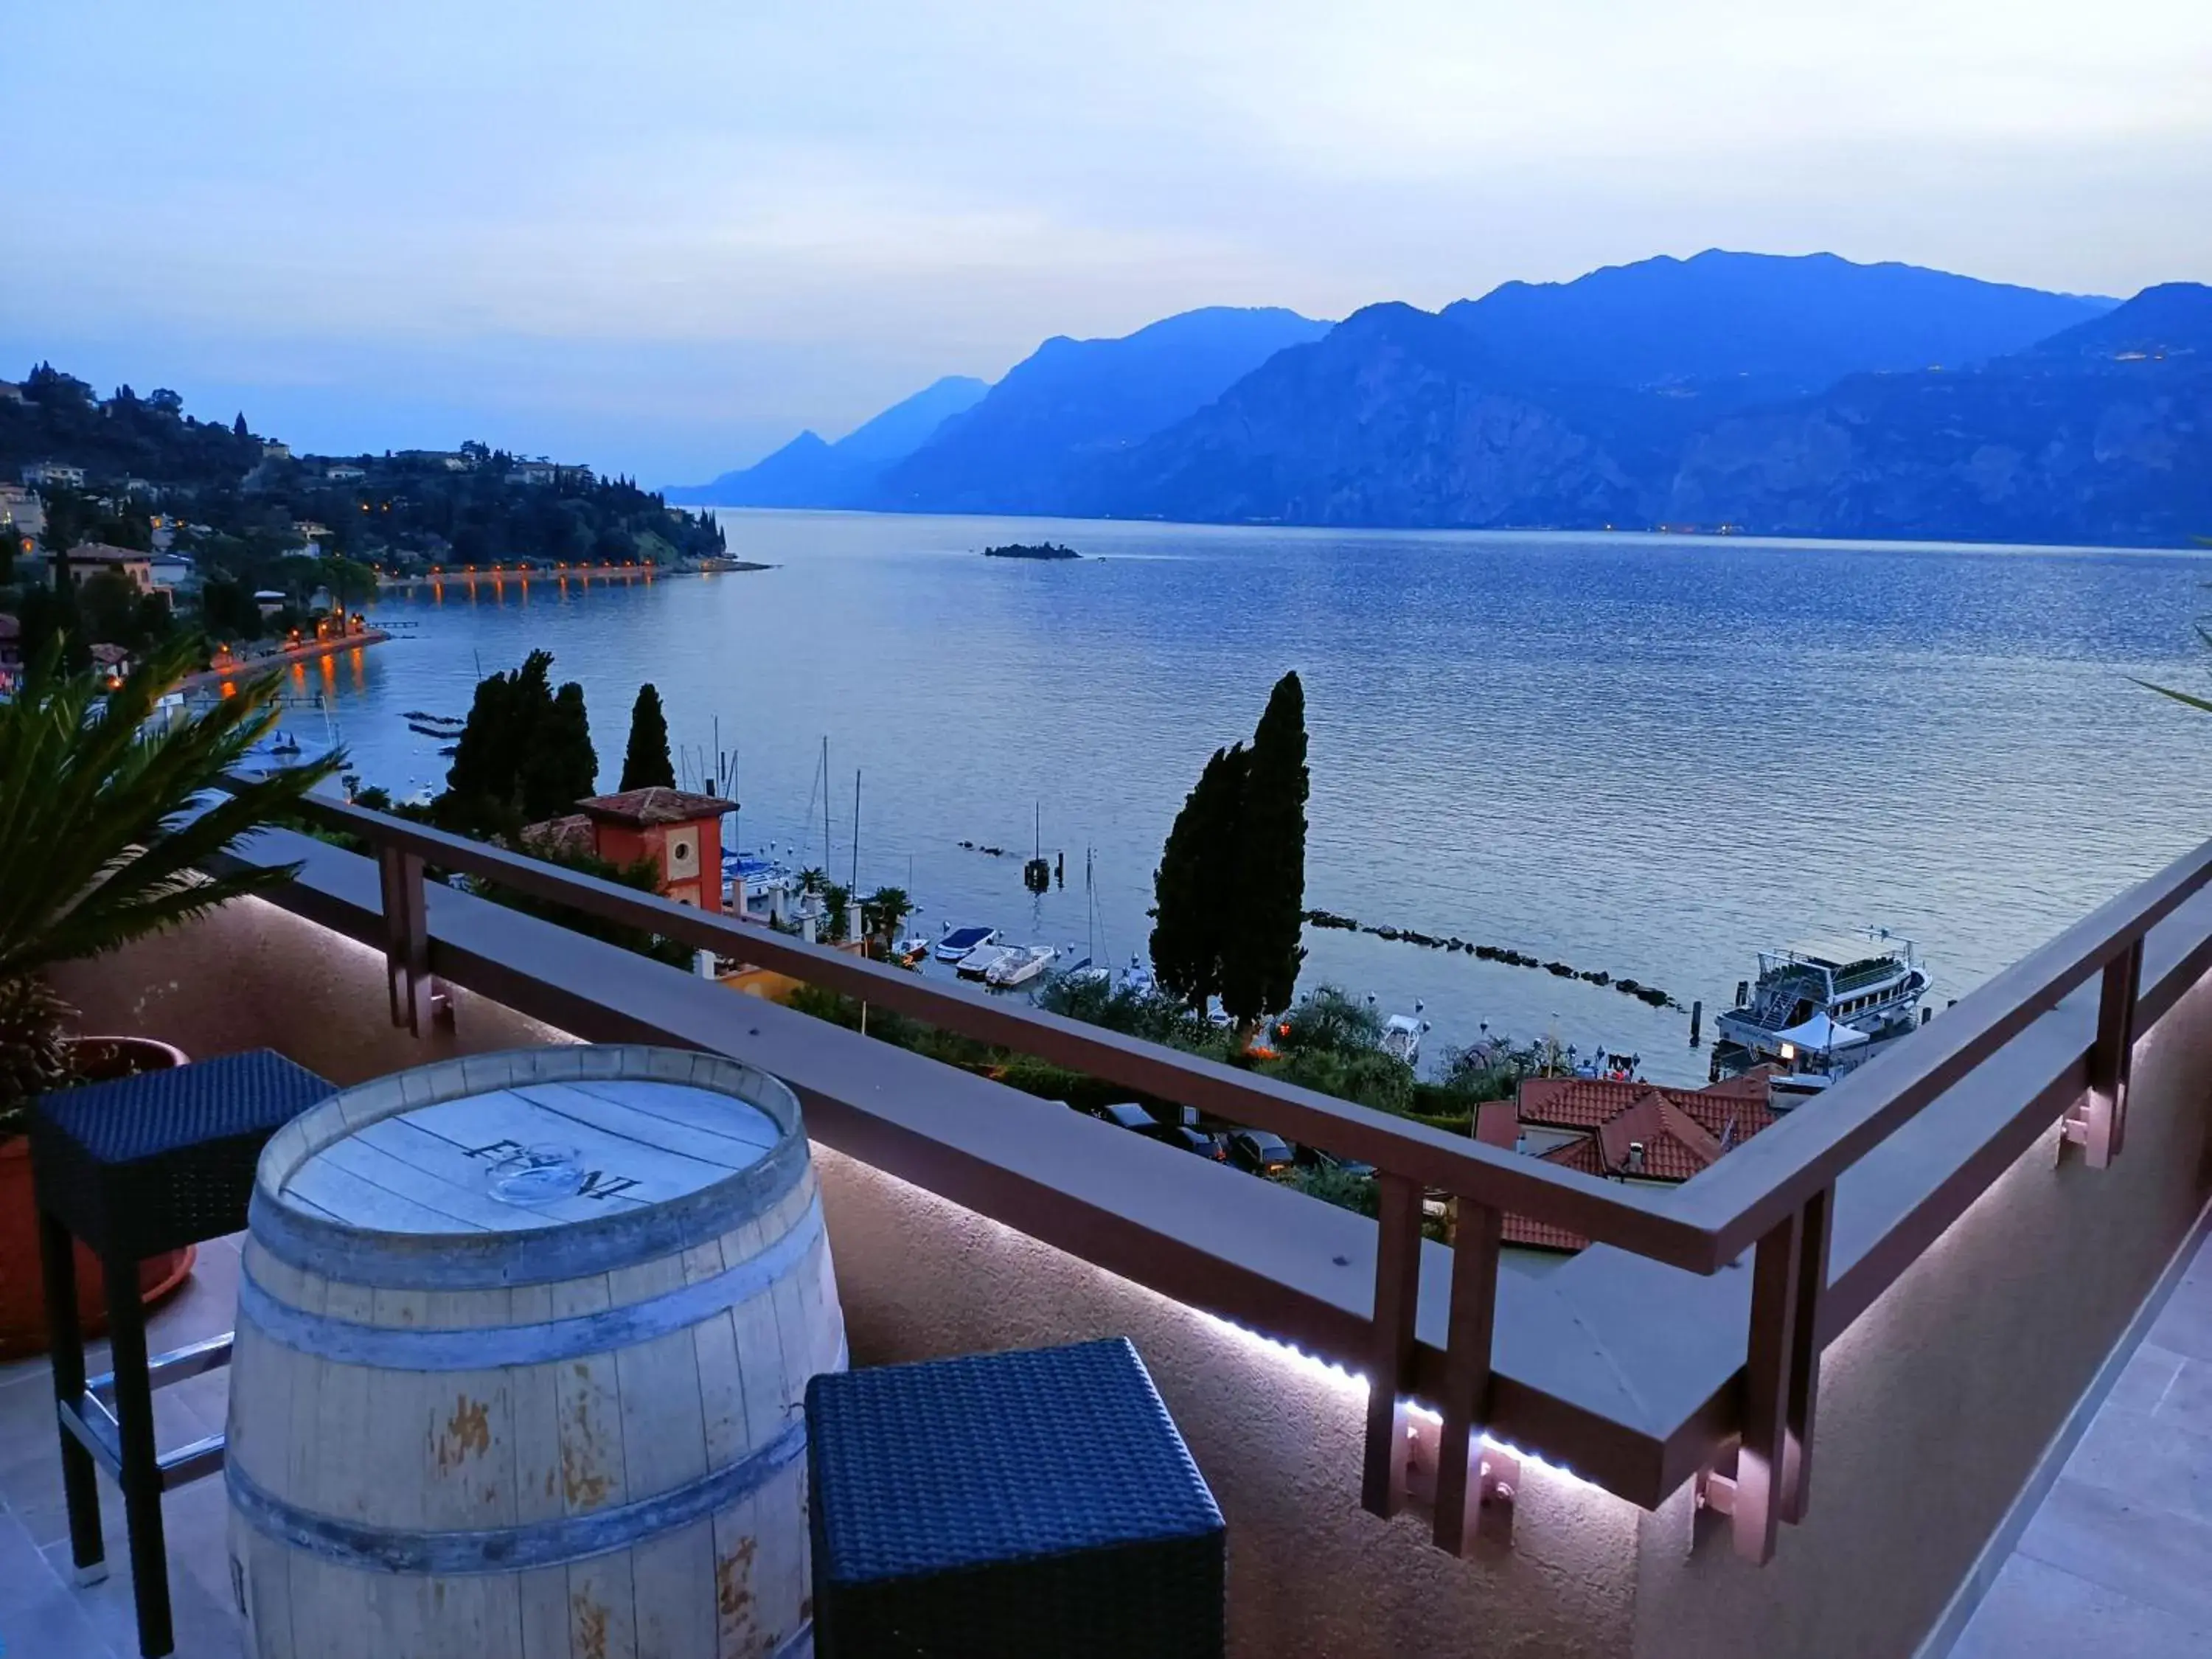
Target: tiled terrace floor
x=42 y=1614
x=2117 y=1562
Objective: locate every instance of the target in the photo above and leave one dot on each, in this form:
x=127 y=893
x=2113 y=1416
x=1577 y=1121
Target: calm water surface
x=1652 y=755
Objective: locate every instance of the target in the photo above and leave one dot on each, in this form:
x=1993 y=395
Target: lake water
x=1653 y=756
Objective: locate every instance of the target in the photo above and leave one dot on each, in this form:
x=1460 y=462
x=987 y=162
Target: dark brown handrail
x=1770 y=1177
x=1701 y=1226
x=1775 y=1194
x=1631 y=1218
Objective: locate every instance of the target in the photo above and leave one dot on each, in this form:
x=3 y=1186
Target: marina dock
x=498 y=576
x=307 y=651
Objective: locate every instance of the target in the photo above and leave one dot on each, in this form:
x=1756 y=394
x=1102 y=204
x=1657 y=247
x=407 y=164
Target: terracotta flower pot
x=22 y=1292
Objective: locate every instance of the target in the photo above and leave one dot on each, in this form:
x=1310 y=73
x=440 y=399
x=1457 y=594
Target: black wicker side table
x=1009 y=1506
x=133 y=1167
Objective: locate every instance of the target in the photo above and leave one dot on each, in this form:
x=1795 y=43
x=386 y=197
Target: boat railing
x=1858 y=975
x=1772 y=1197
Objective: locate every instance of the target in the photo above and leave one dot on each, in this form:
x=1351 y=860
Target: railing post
x=406 y=937
x=1391 y=1343
x=1467 y=1369
x=2098 y=1124
x=1816 y=1225
x=1781 y=1373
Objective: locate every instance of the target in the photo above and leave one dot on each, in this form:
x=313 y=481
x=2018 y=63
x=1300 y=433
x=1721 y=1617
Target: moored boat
x=1403 y=1034
x=1021 y=965
x=978 y=962
x=957 y=942
x=1822 y=1009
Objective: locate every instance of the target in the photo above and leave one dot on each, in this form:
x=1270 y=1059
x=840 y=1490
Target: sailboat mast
x=825 y=806
x=856 y=831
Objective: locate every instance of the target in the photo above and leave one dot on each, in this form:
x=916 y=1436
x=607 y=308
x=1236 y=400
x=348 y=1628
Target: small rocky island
x=1024 y=550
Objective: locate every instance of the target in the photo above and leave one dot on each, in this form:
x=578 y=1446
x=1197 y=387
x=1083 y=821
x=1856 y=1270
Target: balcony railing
x=1420 y=1321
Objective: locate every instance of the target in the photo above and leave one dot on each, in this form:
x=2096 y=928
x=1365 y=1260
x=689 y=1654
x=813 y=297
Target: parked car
x=1259 y=1151
x=1182 y=1136
x=1312 y=1158
x=1124 y=1114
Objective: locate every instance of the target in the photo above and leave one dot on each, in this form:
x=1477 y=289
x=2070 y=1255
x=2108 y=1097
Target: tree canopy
x=1260 y=952
x=646 y=761
x=1229 y=896
x=524 y=754
x=1192 y=879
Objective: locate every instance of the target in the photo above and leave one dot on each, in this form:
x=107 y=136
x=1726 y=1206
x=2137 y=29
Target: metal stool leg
x=65 y=1338
x=141 y=1470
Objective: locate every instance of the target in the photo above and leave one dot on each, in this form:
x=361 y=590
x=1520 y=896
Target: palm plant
x=105 y=821
x=883 y=910
x=2204 y=704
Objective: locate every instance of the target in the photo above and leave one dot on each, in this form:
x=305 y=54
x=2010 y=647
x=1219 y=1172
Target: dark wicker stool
x=1009 y=1506
x=133 y=1167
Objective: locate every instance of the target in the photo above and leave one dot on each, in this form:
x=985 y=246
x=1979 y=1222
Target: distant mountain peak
x=810 y=471
x=1787 y=324
x=1793 y=393
x=1071 y=400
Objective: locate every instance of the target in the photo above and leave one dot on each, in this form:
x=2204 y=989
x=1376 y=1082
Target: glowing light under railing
x=1354 y=1385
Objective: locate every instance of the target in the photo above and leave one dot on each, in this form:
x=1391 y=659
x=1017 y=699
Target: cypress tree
x=524 y=754
x=567 y=767
x=482 y=777
x=1193 y=881
x=646 y=762
x=1264 y=900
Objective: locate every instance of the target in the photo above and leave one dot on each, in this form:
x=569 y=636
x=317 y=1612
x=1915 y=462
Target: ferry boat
x=1820 y=1009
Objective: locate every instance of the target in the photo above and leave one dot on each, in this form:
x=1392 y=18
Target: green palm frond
x=2189 y=697
x=105 y=819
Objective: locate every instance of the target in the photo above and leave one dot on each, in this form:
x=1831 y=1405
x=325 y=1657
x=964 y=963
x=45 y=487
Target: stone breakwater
x=1506 y=954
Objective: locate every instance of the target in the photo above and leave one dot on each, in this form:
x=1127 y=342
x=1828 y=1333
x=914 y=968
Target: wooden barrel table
x=522 y=1351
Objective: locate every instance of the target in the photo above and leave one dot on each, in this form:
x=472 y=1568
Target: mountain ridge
x=1021 y=445
x=1802 y=394
x=812 y=471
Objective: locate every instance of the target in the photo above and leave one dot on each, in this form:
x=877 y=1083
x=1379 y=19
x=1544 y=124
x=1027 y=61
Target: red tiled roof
x=1682 y=1132
x=101 y=553
x=555 y=837
x=655 y=804
x=1674 y=1145
x=1540 y=1235
x=1585 y=1103
x=1582 y=1155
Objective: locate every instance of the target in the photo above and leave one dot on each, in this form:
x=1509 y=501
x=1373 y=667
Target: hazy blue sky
x=662 y=238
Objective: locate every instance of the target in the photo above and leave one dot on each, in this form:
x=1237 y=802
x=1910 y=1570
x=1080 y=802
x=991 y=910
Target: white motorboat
x=1020 y=965
x=1402 y=1035
x=957 y=942
x=910 y=950
x=978 y=962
